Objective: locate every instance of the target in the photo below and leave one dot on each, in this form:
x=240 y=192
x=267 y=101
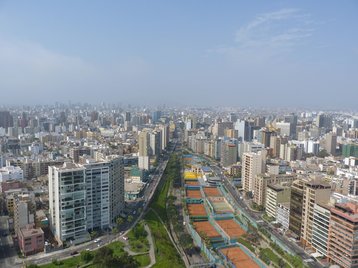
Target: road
x=43 y=258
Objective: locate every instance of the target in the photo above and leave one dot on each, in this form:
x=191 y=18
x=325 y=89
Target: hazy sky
x=200 y=52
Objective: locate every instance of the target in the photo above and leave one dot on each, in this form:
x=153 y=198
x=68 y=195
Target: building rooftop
x=29 y=231
x=347 y=210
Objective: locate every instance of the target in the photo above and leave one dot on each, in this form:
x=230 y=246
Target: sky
x=201 y=53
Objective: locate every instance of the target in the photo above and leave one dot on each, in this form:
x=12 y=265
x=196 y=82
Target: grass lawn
x=246 y=244
x=267 y=252
x=117 y=247
x=165 y=253
x=68 y=263
x=143 y=260
x=137 y=239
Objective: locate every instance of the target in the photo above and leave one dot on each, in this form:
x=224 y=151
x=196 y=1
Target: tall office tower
x=259 y=121
x=292 y=119
x=128 y=117
x=228 y=153
x=331 y=143
x=265 y=137
x=219 y=128
x=143 y=150
x=156 y=116
x=6 y=120
x=285 y=128
x=324 y=121
x=165 y=132
x=275 y=143
x=242 y=127
x=314 y=191
x=342 y=238
x=67 y=203
x=155 y=142
x=232 y=117
x=127 y=121
x=252 y=165
x=296 y=207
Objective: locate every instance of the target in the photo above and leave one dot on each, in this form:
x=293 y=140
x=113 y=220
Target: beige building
x=314 y=191
x=252 y=165
x=263 y=180
x=276 y=194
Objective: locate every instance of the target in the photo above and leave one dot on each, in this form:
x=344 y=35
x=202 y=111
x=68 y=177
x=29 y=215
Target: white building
x=9 y=173
x=67 y=203
x=252 y=165
x=283 y=215
x=321 y=216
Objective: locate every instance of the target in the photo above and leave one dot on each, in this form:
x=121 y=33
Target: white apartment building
x=321 y=215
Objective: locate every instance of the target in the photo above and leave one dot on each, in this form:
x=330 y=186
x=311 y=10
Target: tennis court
x=212 y=191
x=193 y=193
x=231 y=228
x=196 y=210
x=205 y=227
x=239 y=258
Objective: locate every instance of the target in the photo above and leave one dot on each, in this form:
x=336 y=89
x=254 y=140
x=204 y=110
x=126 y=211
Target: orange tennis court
x=193 y=193
x=193 y=183
x=196 y=210
x=206 y=228
x=231 y=228
x=239 y=258
x=212 y=191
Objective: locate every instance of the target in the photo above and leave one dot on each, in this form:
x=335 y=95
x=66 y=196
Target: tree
x=86 y=256
x=130 y=218
x=119 y=220
x=93 y=234
x=115 y=230
x=104 y=258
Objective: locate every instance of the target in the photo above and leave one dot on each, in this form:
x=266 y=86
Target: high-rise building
x=6 y=120
x=165 y=131
x=265 y=137
x=343 y=235
x=97 y=195
x=261 y=181
x=350 y=149
x=228 y=153
x=252 y=165
x=314 y=191
x=320 y=228
x=155 y=142
x=143 y=150
x=242 y=127
x=276 y=194
x=156 y=116
x=324 y=121
x=296 y=202
x=67 y=202
x=331 y=143
x=292 y=119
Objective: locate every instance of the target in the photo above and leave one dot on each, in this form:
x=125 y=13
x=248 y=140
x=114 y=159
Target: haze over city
x=202 y=53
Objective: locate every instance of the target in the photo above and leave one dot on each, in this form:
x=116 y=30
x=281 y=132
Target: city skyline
x=277 y=54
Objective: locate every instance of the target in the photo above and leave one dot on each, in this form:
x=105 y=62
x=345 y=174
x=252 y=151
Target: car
x=125 y=238
x=74 y=252
x=87 y=249
x=97 y=240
